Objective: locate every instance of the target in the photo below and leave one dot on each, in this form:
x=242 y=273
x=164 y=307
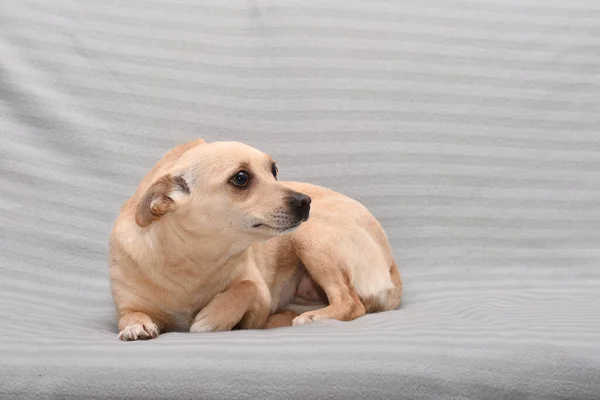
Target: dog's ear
x=158 y=199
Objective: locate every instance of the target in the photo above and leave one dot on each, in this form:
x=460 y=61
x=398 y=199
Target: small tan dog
x=211 y=241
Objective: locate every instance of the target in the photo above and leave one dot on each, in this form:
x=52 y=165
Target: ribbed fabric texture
x=470 y=128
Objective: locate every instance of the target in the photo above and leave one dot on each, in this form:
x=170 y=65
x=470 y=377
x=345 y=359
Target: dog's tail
x=395 y=294
x=392 y=298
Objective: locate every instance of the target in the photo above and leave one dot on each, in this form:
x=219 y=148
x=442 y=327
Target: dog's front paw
x=209 y=323
x=139 y=332
x=307 y=318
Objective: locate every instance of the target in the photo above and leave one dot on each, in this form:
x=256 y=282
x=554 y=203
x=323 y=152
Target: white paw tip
x=302 y=320
x=139 y=332
x=200 y=326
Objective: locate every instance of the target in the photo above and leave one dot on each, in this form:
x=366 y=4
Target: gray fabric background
x=470 y=128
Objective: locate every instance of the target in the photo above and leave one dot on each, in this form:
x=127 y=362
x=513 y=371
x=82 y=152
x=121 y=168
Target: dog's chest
x=184 y=295
x=181 y=313
x=180 y=322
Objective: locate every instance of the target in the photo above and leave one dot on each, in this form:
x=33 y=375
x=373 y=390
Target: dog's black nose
x=300 y=205
x=300 y=200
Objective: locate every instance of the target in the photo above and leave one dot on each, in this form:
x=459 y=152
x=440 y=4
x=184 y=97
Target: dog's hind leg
x=329 y=270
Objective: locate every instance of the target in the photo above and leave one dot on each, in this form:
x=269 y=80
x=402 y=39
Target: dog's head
x=226 y=189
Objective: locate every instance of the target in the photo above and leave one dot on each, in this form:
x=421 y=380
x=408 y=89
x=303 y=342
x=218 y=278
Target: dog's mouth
x=279 y=229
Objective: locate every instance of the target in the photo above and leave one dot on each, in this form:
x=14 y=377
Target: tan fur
x=190 y=251
x=281 y=319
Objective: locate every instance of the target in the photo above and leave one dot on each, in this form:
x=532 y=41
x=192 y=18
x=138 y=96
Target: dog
x=212 y=241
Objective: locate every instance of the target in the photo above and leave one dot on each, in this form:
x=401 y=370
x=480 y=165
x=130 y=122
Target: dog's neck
x=198 y=248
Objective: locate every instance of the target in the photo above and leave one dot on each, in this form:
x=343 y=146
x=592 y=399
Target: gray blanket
x=470 y=128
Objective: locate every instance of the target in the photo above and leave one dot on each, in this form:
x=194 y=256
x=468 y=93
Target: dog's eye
x=274 y=170
x=240 y=179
